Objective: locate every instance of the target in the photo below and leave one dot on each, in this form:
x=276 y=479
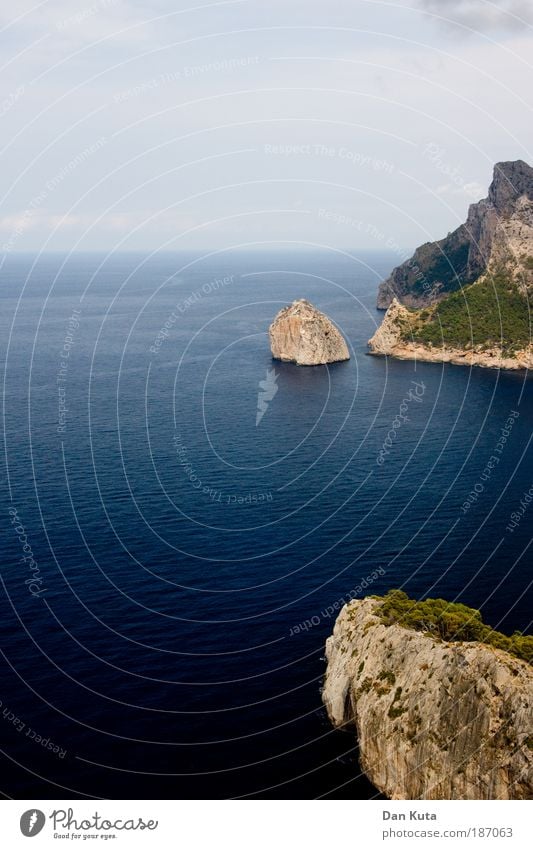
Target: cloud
x=473 y=190
x=482 y=15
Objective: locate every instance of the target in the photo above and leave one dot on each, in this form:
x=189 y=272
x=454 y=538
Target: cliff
x=466 y=299
x=498 y=233
x=302 y=334
x=434 y=719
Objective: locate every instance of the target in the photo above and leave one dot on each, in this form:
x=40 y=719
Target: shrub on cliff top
x=489 y=313
x=449 y=621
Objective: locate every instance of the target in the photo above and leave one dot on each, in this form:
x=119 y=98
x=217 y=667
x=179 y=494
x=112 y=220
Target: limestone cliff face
x=498 y=233
x=302 y=334
x=390 y=340
x=434 y=720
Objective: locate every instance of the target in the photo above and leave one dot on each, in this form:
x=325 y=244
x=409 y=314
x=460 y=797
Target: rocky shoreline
x=388 y=340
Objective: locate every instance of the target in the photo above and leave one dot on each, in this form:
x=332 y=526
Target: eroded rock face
x=302 y=334
x=388 y=335
x=498 y=233
x=434 y=720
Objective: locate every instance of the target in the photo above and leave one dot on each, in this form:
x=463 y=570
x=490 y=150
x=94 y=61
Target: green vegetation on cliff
x=449 y=621
x=491 y=313
x=445 y=267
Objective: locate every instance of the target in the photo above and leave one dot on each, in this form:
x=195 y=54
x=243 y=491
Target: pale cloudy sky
x=163 y=125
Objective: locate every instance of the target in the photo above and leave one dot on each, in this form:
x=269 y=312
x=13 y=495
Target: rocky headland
x=303 y=335
x=397 y=337
x=465 y=299
x=435 y=718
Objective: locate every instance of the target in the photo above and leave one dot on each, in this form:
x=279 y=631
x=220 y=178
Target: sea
x=183 y=517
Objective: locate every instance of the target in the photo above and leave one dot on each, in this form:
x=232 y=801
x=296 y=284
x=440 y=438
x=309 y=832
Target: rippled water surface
x=187 y=557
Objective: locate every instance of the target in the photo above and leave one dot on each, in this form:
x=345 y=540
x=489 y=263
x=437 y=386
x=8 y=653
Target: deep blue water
x=180 y=546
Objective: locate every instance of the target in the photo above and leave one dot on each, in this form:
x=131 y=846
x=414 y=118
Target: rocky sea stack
x=435 y=719
x=303 y=335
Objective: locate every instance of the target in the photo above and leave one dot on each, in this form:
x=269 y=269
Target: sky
x=158 y=125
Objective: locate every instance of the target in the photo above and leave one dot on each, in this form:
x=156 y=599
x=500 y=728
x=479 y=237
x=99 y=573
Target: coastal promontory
x=301 y=334
x=441 y=704
x=466 y=299
x=407 y=335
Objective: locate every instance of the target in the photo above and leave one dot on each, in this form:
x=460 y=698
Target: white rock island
x=303 y=335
